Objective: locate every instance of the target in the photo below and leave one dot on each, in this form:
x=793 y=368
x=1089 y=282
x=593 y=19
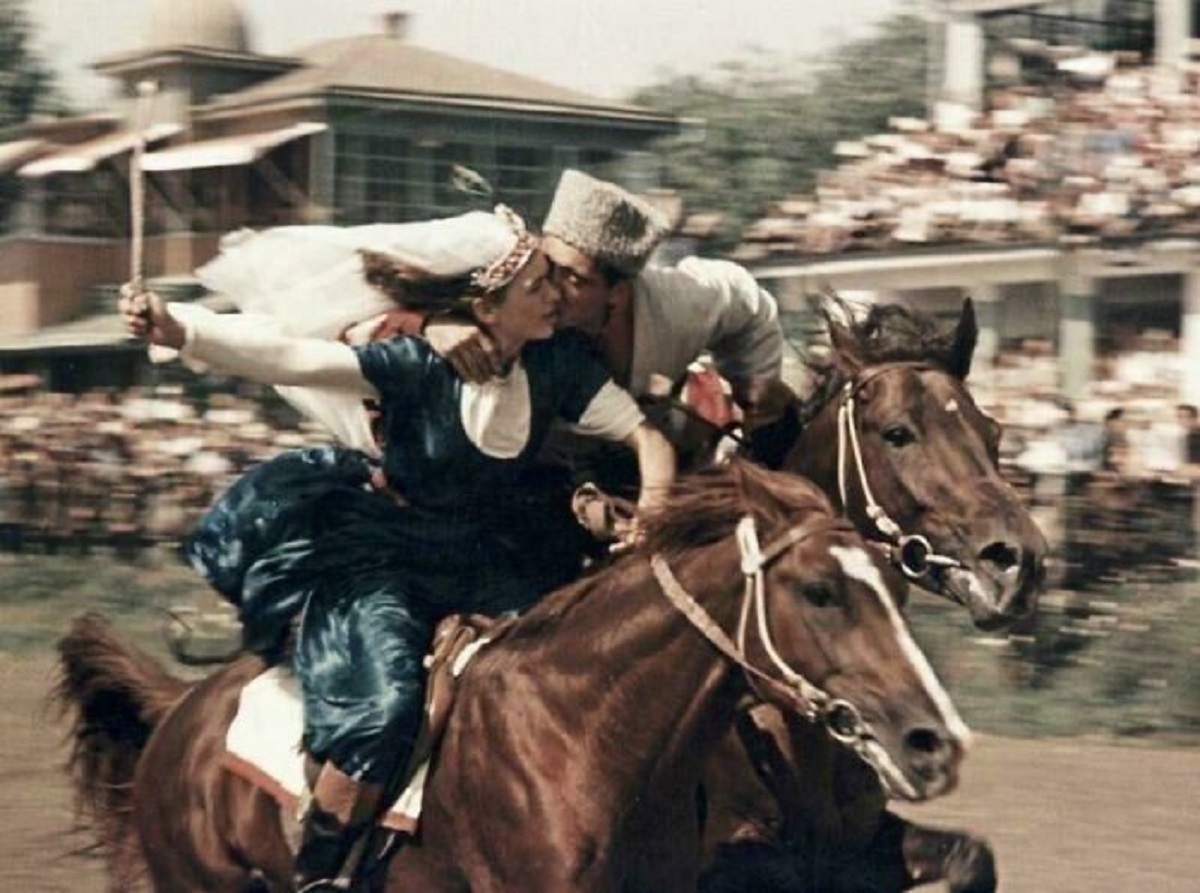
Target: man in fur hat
x=648 y=323
x=645 y=321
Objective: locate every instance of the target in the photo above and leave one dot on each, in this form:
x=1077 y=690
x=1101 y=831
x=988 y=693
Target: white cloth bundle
x=310 y=278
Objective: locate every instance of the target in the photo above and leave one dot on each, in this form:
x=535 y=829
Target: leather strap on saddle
x=456 y=638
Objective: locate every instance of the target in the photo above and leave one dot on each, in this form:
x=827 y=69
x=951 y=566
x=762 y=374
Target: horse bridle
x=912 y=553
x=840 y=718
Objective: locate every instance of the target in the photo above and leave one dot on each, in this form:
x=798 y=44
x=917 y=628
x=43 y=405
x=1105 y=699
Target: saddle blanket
x=263 y=747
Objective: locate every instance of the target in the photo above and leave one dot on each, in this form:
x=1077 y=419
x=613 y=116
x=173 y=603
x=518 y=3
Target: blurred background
x=1041 y=158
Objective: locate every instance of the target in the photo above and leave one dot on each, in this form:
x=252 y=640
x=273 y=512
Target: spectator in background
x=1115 y=453
x=1083 y=443
x=1189 y=420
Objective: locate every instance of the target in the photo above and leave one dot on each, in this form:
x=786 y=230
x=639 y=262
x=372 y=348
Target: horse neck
x=814 y=455
x=649 y=693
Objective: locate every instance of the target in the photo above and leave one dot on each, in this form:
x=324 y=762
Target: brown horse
x=892 y=435
x=577 y=732
x=916 y=462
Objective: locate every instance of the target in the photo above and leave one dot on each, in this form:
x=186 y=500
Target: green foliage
x=40 y=594
x=26 y=85
x=762 y=127
x=1121 y=661
x=26 y=82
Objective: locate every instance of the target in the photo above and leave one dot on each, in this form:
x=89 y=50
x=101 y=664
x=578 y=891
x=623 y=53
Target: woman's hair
x=415 y=289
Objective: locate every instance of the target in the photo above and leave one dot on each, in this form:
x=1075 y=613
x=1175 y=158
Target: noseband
x=912 y=553
x=841 y=718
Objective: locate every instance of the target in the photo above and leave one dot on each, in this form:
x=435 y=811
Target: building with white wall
x=350 y=130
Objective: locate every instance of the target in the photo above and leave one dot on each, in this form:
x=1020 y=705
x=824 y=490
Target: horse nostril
x=931 y=754
x=924 y=741
x=1002 y=555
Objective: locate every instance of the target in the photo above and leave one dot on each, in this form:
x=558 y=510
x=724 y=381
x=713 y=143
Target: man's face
x=585 y=292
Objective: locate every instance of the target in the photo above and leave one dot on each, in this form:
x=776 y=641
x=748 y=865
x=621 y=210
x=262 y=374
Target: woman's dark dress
x=305 y=532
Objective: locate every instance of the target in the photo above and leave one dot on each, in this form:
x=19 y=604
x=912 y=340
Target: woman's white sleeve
x=612 y=414
x=260 y=353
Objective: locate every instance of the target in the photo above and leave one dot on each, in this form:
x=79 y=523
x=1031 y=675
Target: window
x=524 y=179
x=85 y=204
x=373 y=177
x=1097 y=24
x=382 y=174
x=447 y=198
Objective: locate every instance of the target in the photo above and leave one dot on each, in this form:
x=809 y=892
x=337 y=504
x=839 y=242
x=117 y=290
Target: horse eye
x=899 y=435
x=819 y=594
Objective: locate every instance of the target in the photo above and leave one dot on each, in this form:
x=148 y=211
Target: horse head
x=819 y=632
x=894 y=433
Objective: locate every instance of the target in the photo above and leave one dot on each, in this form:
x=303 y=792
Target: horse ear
x=965 y=336
x=845 y=354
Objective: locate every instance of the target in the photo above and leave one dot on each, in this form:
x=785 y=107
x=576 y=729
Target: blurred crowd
x=125 y=472
x=1111 y=477
x=1103 y=159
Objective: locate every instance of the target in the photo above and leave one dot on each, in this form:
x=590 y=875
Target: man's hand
x=466 y=347
x=762 y=400
x=629 y=535
x=146 y=318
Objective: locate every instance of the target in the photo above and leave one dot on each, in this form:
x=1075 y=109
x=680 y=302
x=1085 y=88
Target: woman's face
x=530 y=307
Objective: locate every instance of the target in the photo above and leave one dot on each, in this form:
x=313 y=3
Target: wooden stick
x=137 y=183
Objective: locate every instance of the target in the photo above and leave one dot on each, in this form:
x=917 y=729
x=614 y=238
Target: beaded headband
x=501 y=271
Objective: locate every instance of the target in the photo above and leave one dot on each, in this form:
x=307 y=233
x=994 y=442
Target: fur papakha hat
x=605 y=222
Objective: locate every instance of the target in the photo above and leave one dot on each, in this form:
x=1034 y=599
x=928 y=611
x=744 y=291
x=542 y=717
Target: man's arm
x=739 y=318
x=656 y=465
x=746 y=340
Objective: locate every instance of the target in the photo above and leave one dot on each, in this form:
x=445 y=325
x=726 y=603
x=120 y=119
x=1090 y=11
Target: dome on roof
x=215 y=24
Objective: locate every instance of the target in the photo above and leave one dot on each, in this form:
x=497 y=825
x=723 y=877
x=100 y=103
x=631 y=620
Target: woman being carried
x=375 y=553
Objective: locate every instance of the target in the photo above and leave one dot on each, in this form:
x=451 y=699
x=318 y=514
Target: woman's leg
x=361 y=660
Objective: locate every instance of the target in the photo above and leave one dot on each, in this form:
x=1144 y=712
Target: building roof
x=985 y=7
x=191 y=56
x=383 y=65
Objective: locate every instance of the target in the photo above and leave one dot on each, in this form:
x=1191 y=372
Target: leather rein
x=841 y=718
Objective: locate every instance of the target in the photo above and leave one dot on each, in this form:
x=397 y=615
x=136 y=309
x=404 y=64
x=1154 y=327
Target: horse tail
x=115 y=696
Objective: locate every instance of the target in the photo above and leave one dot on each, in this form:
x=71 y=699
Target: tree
x=26 y=84
x=761 y=128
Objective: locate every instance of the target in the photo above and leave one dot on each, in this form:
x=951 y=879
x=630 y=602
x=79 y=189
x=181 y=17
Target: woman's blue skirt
x=305 y=535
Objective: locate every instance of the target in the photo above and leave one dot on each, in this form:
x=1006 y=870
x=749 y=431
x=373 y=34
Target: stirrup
x=325 y=885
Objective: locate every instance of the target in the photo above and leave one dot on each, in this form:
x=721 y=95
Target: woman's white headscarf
x=307 y=281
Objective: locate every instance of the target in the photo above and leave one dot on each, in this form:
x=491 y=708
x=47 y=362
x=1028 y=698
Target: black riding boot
x=324 y=845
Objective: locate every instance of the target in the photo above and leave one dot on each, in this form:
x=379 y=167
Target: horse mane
x=706 y=506
x=702 y=507
x=886 y=333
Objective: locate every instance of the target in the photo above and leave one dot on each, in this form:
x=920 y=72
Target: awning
x=16 y=153
x=227 y=151
x=85 y=156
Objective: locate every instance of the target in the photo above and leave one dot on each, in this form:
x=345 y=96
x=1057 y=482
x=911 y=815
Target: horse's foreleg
x=898 y=857
x=964 y=861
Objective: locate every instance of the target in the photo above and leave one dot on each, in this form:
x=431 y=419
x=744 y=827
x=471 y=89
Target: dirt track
x=1065 y=816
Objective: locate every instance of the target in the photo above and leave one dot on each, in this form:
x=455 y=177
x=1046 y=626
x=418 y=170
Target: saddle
x=262 y=744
